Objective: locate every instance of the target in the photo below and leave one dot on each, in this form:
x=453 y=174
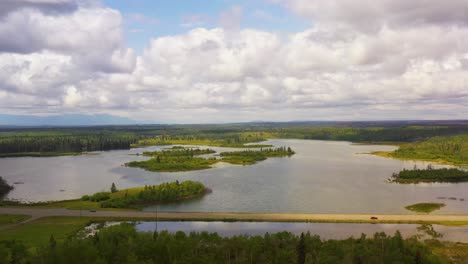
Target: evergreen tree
x=113 y=188
x=301 y=250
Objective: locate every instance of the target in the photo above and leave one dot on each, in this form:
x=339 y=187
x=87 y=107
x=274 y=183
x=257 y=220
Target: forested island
x=249 y=157
x=185 y=159
x=5 y=188
x=153 y=194
x=123 y=244
x=430 y=175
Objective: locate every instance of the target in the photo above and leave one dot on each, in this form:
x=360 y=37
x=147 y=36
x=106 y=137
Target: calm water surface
x=324 y=230
x=323 y=177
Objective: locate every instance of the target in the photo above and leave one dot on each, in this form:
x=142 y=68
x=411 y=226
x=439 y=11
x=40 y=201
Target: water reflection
x=324 y=230
x=323 y=177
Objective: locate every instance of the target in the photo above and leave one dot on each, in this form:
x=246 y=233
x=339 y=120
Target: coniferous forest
x=123 y=244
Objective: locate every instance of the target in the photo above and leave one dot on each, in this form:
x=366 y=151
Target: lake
x=323 y=177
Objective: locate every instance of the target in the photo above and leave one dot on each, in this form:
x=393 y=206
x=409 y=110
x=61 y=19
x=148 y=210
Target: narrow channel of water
x=324 y=230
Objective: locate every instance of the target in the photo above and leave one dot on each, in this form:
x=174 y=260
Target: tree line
x=123 y=244
x=431 y=175
x=65 y=143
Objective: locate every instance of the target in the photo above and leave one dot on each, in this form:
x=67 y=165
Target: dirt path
x=267 y=217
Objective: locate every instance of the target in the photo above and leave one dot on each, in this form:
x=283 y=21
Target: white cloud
x=408 y=64
x=368 y=15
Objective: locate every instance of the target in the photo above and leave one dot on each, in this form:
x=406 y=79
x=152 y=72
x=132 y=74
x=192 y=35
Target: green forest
x=452 y=150
x=430 y=175
x=53 y=145
x=76 y=140
x=123 y=244
x=154 y=194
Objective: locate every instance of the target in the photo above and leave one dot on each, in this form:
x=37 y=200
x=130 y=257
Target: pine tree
x=301 y=250
x=113 y=188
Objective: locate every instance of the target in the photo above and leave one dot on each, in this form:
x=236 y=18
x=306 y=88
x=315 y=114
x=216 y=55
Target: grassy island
x=430 y=175
x=135 y=197
x=424 y=207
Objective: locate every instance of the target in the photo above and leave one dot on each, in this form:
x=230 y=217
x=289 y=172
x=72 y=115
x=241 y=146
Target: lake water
x=324 y=230
x=323 y=177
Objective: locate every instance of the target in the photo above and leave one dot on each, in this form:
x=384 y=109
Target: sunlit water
x=323 y=177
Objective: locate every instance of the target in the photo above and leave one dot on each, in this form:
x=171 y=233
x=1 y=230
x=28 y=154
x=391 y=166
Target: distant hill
x=64 y=120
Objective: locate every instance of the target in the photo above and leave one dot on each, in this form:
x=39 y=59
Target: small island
x=147 y=195
x=5 y=188
x=430 y=175
x=249 y=157
x=176 y=159
x=424 y=207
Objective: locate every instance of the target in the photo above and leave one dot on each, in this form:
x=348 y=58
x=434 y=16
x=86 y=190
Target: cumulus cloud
x=398 y=59
x=372 y=15
x=46 y=6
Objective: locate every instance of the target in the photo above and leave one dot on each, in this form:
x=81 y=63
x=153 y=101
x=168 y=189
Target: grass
x=12 y=219
x=38 y=232
x=425 y=207
x=76 y=204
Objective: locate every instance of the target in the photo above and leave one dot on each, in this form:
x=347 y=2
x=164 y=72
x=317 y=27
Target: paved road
x=269 y=217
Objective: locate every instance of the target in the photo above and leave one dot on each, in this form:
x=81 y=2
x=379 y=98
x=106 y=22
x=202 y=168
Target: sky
x=218 y=61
